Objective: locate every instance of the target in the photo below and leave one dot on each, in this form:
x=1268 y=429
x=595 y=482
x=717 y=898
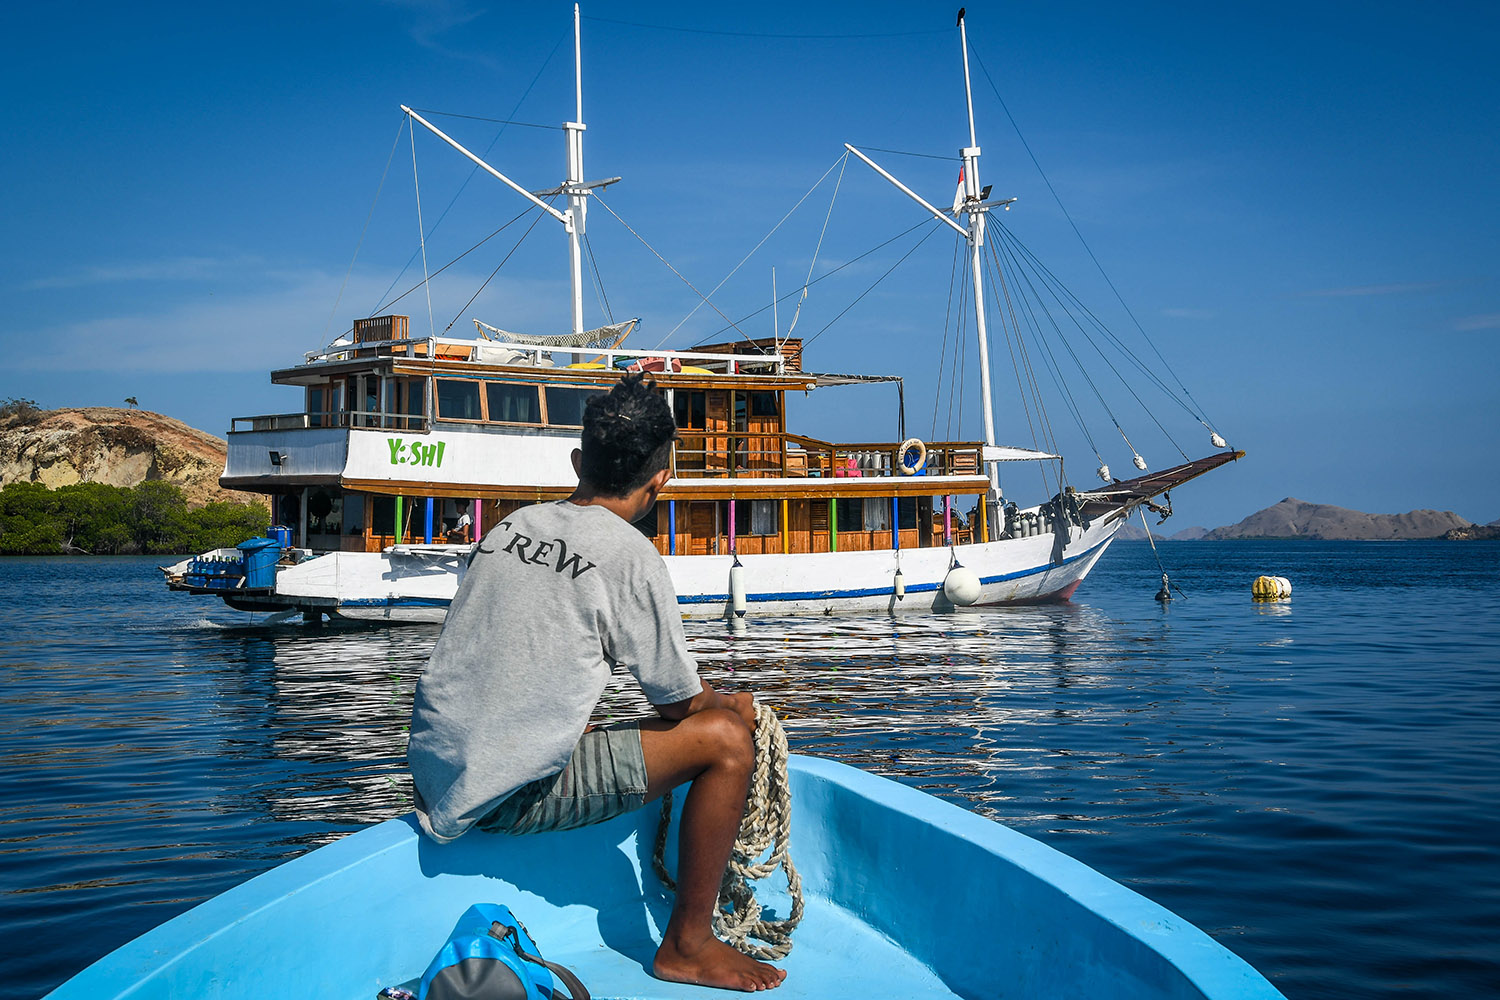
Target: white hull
x=417 y=584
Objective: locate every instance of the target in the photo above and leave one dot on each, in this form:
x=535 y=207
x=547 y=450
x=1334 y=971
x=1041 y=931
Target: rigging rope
x=1053 y=368
x=934 y=228
x=668 y=263
x=947 y=325
x=365 y=229
x=475 y=169
x=807 y=282
x=1047 y=434
x=758 y=34
x=421 y=232
x=759 y=850
x=1145 y=336
x=598 y=280
x=848 y=263
x=757 y=246
x=481 y=288
x=455 y=260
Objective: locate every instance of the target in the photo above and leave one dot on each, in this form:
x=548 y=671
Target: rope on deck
x=758 y=851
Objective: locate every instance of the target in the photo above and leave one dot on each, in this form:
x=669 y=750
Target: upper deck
x=390 y=413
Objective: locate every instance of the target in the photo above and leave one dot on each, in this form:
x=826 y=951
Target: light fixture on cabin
x=278 y=458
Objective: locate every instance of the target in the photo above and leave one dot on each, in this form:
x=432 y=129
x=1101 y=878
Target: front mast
x=976 y=208
x=577 y=193
x=574 y=187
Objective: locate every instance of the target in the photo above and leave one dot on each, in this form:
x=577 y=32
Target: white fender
x=961 y=586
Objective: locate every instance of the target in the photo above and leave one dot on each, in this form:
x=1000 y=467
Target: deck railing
x=330 y=418
x=705 y=454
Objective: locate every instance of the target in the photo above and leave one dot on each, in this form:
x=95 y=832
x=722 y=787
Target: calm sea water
x=1314 y=783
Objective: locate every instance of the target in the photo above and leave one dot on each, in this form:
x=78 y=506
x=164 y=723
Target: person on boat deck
x=459 y=533
x=556 y=595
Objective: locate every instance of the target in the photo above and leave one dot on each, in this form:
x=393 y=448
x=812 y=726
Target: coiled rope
x=764 y=833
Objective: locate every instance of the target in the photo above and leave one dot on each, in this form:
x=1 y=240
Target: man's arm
x=741 y=703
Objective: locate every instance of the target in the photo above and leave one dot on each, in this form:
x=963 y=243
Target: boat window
x=325 y=512
x=763 y=517
x=354 y=514
x=458 y=399
x=513 y=404
x=763 y=404
x=565 y=405
x=906 y=513
x=864 y=514
x=690 y=408
x=315 y=409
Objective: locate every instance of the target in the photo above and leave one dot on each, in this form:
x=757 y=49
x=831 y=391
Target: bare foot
x=714 y=964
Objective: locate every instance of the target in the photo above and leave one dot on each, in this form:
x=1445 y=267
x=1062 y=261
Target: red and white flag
x=958 y=196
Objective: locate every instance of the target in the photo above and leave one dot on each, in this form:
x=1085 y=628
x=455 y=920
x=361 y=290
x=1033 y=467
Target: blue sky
x=1295 y=201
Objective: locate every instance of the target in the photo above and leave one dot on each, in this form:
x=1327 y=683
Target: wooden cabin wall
x=808 y=532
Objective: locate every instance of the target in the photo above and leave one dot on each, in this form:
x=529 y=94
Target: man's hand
x=741 y=703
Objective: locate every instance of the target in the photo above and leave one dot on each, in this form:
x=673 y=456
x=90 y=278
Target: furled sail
x=604 y=336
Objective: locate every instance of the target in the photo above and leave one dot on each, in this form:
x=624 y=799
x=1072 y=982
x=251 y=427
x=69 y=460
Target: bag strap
x=576 y=989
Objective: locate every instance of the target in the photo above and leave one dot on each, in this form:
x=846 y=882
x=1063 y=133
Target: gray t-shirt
x=556 y=595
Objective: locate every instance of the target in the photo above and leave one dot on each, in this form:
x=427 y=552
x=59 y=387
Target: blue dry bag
x=490 y=956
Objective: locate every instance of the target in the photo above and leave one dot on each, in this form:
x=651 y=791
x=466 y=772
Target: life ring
x=912 y=457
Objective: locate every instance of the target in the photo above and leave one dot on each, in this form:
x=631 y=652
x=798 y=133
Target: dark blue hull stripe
x=915 y=588
x=804 y=595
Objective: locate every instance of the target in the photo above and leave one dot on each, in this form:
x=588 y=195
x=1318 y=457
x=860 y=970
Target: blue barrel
x=281 y=533
x=261 y=556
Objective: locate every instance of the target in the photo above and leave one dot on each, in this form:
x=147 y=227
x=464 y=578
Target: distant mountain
x=118 y=447
x=1293 y=518
x=1474 y=533
x=1193 y=534
x=1130 y=531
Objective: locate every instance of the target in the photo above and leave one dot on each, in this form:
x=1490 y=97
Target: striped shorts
x=605 y=777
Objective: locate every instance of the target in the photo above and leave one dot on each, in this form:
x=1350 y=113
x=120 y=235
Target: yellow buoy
x=1271 y=588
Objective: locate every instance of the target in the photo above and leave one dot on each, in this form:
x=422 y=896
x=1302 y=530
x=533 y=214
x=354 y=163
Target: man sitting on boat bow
x=557 y=593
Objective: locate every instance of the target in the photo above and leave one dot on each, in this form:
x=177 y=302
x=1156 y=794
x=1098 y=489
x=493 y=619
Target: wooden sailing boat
x=410 y=446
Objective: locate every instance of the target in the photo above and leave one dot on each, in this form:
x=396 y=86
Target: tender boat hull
x=907 y=896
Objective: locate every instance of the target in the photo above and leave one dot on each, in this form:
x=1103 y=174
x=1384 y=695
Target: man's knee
x=726 y=736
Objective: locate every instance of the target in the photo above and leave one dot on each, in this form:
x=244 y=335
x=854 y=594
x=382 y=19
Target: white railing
x=444 y=351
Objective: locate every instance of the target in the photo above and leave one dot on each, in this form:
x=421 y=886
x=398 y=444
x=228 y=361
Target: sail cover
x=611 y=334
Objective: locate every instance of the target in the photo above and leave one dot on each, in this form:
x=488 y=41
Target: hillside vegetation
x=108 y=480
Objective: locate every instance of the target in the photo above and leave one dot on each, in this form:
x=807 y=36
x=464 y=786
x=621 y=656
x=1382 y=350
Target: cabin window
x=458 y=399
x=763 y=517
x=412 y=402
x=315 y=405
x=565 y=405
x=906 y=513
x=864 y=513
x=371 y=404
x=354 y=514
x=690 y=408
x=382 y=515
x=325 y=512
x=513 y=404
x=763 y=404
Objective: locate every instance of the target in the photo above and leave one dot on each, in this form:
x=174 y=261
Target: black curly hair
x=627 y=437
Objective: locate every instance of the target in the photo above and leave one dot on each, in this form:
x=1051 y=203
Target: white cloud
x=170 y=269
x=287 y=315
x=1486 y=321
x=1394 y=289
